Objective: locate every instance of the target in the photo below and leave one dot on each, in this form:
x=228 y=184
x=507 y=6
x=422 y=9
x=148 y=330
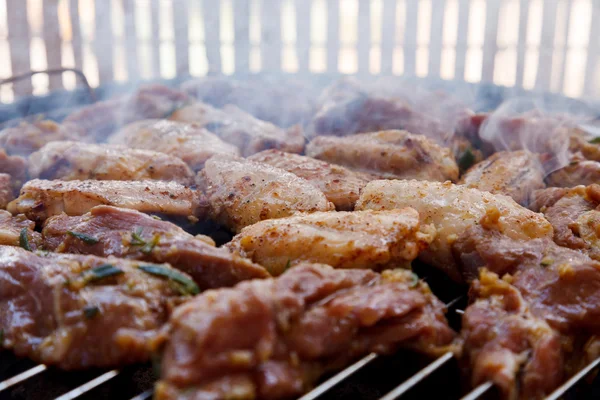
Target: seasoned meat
x=16 y=167
x=250 y=135
x=242 y=192
x=79 y=312
x=576 y=173
x=18 y=231
x=505 y=344
x=359 y=239
x=452 y=209
x=6 y=190
x=150 y=101
x=387 y=154
x=40 y=199
x=111 y=231
x=340 y=185
x=28 y=137
x=272 y=339
x=73 y=160
x=512 y=173
x=282 y=102
x=575 y=216
x=189 y=142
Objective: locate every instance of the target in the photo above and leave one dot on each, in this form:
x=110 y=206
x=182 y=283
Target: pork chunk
x=28 y=137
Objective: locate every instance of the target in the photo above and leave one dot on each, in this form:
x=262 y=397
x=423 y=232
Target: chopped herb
x=574 y=163
x=595 y=140
x=101 y=272
x=185 y=284
x=467 y=159
x=136 y=238
x=90 y=311
x=83 y=237
x=24 y=240
x=414 y=280
x=287 y=265
x=149 y=246
x=156 y=217
x=546 y=261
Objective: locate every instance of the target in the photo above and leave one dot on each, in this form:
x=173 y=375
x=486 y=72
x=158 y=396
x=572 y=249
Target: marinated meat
x=18 y=231
x=16 y=167
x=6 y=190
x=242 y=192
x=387 y=154
x=79 y=161
x=294 y=328
x=78 y=312
x=576 y=173
x=340 y=185
x=151 y=101
x=513 y=173
x=507 y=345
x=41 y=199
x=28 y=137
x=250 y=135
x=189 y=142
x=452 y=209
x=111 y=231
x=359 y=239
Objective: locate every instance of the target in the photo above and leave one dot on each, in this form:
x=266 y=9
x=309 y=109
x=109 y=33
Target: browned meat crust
x=28 y=137
x=110 y=231
x=576 y=173
x=388 y=154
x=78 y=311
x=340 y=185
x=273 y=338
x=249 y=134
x=6 y=190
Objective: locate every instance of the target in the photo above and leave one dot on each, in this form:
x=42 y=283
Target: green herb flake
x=287 y=265
x=83 y=237
x=185 y=284
x=101 y=272
x=546 y=261
x=149 y=246
x=90 y=311
x=136 y=238
x=414 y=280
x=24 y=240
x=466 y=161
x=595 y=140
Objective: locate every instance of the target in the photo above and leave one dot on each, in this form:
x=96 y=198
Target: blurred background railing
x=550 y=45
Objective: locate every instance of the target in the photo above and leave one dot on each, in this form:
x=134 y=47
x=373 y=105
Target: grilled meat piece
x=250 y=135
x=150 y=101
x=273 y=338
x=189 y=142
x=6 y=190
x=576 y=173
x=78 y=312
x=111 y=231
x=340 y=185
x=79 y=161
x=41 y=199
x=505 y=344
x=387 y=154
x=512 y=173
x=452 y=209
x=16 y=167
x=18 y=231
x=359 y=239
x=242 y=192
x=28 y=137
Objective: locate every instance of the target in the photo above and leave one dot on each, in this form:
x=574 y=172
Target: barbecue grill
x=403 y=375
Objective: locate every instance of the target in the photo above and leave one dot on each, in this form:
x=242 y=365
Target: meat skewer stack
x=318 y=271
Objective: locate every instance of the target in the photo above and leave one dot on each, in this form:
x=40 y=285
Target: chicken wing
x=111 y=231
x=340 y=185
x=41 y=199
x=242 y=192
x=250 y=135
x=28 y=137
x=189 y=142
x=452 y=209
x=359 y=239
x=513 y=173
x=387 y=154
x=73 y=160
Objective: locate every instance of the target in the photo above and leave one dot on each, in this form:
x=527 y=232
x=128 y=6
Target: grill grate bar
x=144 y=395
x=479 y=391
x=23 y=376
x=418 y=377
x=574 y=380
x=86 y=387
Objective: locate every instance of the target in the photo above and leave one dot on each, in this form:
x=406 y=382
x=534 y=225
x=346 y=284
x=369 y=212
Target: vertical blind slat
x=333 y=35
x=544 y=72
x=303 y=33
x=591 y=73
x=410 y=36
x=131 y=40
x=522 y=41
x=241 y=23
x=563 y=61
x=388 y=35
x=76 y=41
x=52 y=42
x=103 y=40
x=363 y=44
x=435 y=42
x=155 y=38
x=462 y=38
x=490 y=45
x=270 y=21
x=19 y=41
x=181 y=10
x=212 y=34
